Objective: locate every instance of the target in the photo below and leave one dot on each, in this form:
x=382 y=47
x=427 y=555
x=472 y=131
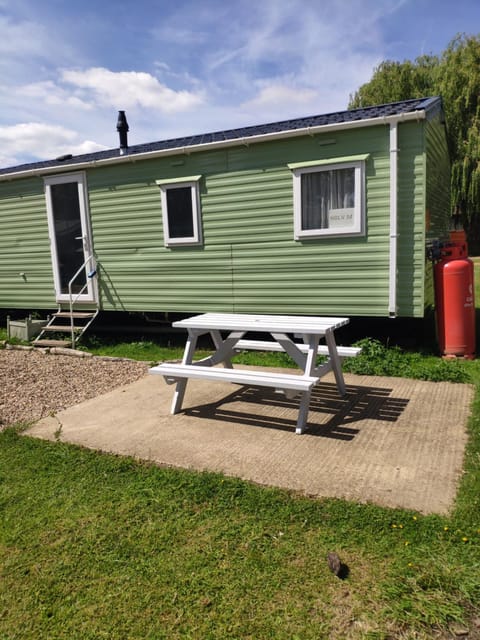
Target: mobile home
x=323 y=215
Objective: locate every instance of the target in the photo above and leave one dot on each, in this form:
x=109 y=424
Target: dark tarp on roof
x=380 y=111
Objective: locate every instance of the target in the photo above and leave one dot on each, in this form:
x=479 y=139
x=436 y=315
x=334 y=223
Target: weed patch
x=378 y=359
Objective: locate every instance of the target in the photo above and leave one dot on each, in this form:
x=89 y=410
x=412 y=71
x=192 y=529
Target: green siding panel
x=437 y=180
x=438 y=193
x=411 y=220
x=423 y=205
x=26 y=279
x=249 y=261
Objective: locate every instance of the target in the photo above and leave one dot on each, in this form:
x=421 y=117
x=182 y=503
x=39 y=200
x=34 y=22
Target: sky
x=184 y=67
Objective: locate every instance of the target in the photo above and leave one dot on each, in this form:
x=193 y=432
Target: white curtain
x=323 y=191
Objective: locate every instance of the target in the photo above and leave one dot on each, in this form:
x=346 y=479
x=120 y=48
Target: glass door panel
x=70 y=237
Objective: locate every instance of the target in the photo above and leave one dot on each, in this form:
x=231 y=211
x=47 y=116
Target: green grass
x=98 y=546
x=152 y=351
x=375 y=359
x=147 y=350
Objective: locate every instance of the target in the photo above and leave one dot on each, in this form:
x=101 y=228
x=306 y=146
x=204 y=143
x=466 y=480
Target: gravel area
x=38 y=383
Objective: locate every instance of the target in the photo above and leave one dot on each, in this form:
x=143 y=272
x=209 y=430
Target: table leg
x=311 y=360
x=336 y=362
x=219 y=343
x=310 y=364
x=182 y=384
x=303 y=412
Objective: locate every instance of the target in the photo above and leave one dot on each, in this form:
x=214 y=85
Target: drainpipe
x=392 y=279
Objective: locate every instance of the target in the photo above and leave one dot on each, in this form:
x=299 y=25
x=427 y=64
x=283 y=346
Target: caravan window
x=181 y=211
x=328 y=199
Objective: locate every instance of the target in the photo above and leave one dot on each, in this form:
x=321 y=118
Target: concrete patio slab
x=390 y=441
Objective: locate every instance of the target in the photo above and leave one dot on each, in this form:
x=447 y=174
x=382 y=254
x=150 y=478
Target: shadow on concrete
x=330 y=416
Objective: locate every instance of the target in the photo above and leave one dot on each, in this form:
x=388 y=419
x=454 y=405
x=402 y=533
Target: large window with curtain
x=328 y=199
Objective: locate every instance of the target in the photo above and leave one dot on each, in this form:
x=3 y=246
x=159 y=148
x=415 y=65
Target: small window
x=328 y=199
x=181 y=211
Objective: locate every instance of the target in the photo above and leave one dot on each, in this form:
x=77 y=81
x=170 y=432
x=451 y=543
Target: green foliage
x=377 y=359
x=394 y=81
x=454 y=75
x=459 y=85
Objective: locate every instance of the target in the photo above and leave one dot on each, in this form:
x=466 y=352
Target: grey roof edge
x=416 y=108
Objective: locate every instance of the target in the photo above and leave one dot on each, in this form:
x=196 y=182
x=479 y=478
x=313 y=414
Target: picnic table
x=298 y=336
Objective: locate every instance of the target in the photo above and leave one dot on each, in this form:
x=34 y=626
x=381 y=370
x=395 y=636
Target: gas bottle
x=455 y=303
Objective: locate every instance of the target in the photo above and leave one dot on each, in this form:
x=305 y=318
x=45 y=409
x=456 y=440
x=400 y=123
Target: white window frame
x=299 y=169
x=177 y=183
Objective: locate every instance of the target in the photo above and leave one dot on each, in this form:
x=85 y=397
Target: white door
x=70 y=237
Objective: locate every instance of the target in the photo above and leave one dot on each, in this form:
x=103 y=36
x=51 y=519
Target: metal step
x=52 y=343
x=61 y=322
x=76 y=314
x=61 y=327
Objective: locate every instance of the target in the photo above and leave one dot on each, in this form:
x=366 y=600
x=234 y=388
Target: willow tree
x=454 y=75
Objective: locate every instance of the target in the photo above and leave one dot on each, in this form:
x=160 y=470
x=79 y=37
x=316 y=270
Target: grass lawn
x=95 y=546
x=98 y=546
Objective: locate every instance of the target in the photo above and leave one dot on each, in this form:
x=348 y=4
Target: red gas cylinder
x=454 y=295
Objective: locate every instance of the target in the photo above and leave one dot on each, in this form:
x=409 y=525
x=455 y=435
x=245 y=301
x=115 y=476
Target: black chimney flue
x=122 y=128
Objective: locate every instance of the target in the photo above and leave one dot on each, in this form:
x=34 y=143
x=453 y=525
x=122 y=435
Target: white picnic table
x=298 y=336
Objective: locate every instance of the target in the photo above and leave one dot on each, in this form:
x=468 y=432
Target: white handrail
x=70 y=294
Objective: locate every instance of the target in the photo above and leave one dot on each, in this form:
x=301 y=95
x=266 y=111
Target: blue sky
x=184 y=67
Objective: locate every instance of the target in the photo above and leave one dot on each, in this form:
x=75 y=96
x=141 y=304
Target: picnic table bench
x=281 y=329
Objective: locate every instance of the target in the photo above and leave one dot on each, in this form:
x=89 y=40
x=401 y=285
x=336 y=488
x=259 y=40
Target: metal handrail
x=71 y=299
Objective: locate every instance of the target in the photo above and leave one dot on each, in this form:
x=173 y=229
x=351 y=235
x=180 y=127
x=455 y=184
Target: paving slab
x=390 y=441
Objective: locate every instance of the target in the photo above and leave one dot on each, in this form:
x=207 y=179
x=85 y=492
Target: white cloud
x=130 y=89
x=200 y=67
x=163 y=66
x=58 y=115
x=29 y=48
x=52 y=94
x=304 y=53
x=38 y=139
x=181 y=77
x=87 y=146
x=278 y=95
x=20 y=37
x=24 y=134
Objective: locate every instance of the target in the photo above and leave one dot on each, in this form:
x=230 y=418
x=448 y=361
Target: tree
x=395 y=81
x=454 y=75
x=459 y=85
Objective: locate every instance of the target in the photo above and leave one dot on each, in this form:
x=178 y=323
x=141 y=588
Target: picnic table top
x=260 y=322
